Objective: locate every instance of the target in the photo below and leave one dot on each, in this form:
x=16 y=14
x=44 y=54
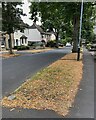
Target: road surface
x=17 y=69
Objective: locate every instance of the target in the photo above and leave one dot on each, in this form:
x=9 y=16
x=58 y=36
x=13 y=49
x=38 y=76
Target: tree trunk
x=11 y=52
x=57 y=35
x=75 y=33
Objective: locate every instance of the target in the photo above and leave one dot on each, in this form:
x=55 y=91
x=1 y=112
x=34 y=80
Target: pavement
x=95 y=87
x=83 y=106
x=16 y=70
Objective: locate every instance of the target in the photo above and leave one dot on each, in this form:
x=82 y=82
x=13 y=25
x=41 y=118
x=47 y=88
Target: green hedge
x=51 y=43
x=15 y=47
x=22 y=47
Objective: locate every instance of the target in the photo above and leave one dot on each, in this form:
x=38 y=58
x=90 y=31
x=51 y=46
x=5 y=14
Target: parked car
x=61 y=45
x=93 y=47
x=68 y=45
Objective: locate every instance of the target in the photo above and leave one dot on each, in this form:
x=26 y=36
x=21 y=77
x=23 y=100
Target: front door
x=16 y=42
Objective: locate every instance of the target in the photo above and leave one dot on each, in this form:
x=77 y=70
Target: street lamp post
x=78 y=54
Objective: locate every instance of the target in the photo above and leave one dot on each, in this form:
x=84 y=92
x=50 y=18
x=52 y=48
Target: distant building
x=32 y=34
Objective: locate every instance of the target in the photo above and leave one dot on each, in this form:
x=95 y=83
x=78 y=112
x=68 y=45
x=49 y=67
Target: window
x=25 y=41
x=22 y=41
x=3 y=41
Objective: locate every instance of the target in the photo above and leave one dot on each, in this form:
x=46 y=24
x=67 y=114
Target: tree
x=11 y=19
x=52 y=18
x=72 y=12
x=59 y=16
x=0 y=17
x=89 y=22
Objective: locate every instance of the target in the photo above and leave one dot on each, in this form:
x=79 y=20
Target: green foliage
x=22 y=47
x=63 y=41
x=11 y=17
x=37 y=44
x=69 y=39
x=88 y=46
x=88 y=23
x=51 y=43
x=15 y=47
x=64 y=19
x=51 y=15
x=34 y=11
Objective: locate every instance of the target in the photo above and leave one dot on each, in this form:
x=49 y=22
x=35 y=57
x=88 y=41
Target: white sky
x=26 y=10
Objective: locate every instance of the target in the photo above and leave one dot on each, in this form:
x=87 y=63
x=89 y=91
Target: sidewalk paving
x=83 y=106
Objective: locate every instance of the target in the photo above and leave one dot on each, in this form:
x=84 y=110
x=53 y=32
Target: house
x=32 y=34
x=29 y=35
x=20 y=38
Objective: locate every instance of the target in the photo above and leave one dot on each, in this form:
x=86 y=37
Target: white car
x=68 y=45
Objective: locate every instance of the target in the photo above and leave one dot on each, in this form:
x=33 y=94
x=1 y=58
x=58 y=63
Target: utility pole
x=78 y=54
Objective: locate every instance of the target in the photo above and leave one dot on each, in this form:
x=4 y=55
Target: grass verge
x=53 y=88
x=7 y=55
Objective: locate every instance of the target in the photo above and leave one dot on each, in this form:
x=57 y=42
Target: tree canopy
x=11 y=18
x=64 y=17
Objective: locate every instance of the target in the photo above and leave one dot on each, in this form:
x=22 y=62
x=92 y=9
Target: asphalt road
x=17 y=69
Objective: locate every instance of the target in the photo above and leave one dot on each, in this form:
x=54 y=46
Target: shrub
x=15 y=47
x=51 y=43
x=63 y=41
x=69 y=39
x=37 y=45
x=22 y=47
x=88 y=46
x=30 y=43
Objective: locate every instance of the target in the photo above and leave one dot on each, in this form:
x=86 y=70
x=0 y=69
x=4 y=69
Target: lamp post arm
x=80 y=23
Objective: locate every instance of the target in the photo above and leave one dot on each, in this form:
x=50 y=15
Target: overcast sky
x=27 y=10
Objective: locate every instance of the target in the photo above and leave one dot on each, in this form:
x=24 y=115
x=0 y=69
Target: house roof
x=49 y=33
x=23 y=36
x=34 y=26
